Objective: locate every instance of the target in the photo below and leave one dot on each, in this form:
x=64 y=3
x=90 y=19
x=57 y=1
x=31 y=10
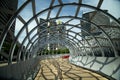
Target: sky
x=111 y=5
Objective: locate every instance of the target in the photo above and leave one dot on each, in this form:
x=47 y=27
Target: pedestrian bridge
x=47 y=31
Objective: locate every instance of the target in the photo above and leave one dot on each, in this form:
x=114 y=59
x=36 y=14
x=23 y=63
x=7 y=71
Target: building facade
x=52 y=31
x=97 y=18
x=7 y=10
x=110 y=27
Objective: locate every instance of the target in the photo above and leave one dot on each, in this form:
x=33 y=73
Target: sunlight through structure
x=82 y=30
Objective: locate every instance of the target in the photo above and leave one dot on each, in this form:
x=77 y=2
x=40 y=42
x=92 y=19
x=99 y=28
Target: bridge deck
x=61 y=69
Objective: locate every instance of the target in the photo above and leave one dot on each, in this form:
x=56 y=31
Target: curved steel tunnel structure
x=97 y=48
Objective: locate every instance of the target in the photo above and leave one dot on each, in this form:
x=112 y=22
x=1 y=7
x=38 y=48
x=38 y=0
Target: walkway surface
x=61 y=69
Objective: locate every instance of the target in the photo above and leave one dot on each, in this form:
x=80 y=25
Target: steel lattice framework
x=72 y=39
